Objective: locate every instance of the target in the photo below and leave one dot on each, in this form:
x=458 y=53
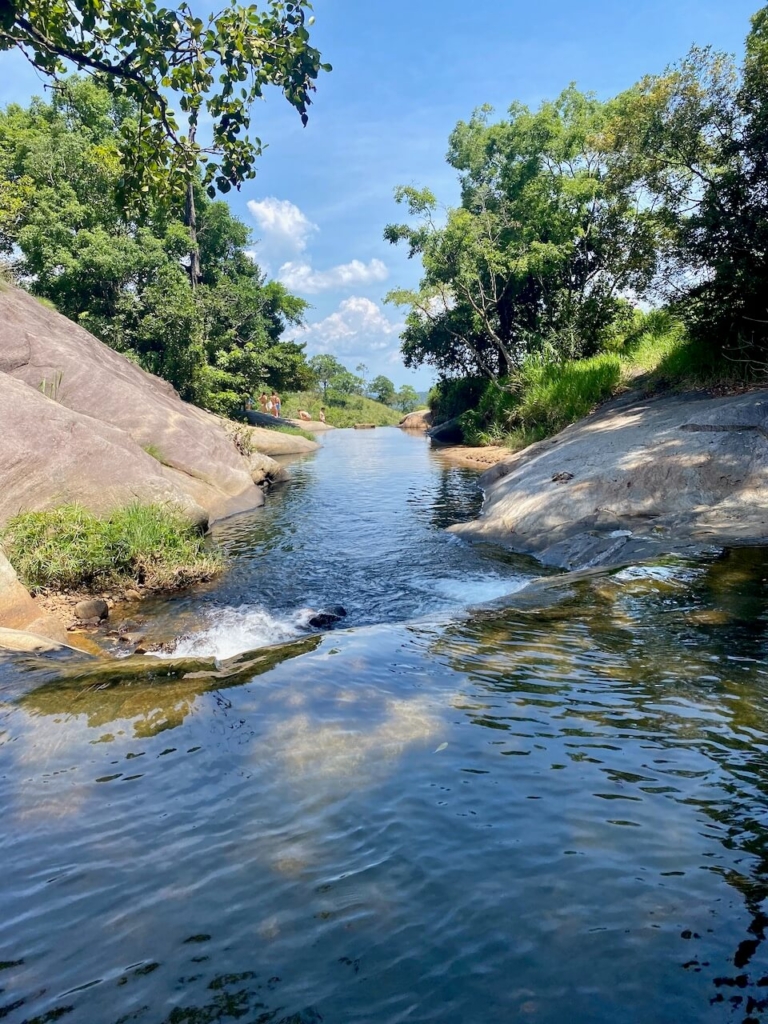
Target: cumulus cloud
x=358 y=326
x=301 y=277
x=281 y=223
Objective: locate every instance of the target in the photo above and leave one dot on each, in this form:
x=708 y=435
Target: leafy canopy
x=160 y=58
x=61 y=219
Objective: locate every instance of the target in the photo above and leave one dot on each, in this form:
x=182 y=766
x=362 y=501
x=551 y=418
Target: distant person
x=263 y=400
x=304 y=415
x=322 y=414
x=270 y=407
x=276 y=403
x=248 y=403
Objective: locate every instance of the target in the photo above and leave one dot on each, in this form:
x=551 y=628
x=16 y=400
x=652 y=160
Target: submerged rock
x=327 y=616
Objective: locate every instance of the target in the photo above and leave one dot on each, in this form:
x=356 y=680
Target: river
x=541 y=811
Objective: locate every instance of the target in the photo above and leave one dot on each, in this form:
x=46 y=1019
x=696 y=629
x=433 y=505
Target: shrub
x=70 y=548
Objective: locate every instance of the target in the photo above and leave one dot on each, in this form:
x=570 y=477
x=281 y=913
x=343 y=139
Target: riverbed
x=536 y=811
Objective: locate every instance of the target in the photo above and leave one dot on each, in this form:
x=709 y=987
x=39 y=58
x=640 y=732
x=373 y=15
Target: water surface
x=545 y=815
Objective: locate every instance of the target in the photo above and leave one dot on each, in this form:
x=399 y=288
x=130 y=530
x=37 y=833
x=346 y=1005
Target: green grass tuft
x=154 y=451
x=70 y=548
x=297 y=431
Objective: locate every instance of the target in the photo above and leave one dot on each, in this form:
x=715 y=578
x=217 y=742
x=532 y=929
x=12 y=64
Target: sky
x=404 y=72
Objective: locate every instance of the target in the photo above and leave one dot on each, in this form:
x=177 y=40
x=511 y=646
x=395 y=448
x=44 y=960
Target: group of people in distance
x=269 y=403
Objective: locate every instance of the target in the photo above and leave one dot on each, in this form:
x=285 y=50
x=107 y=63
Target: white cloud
x=301 y=277
x=358 y=326
x=281 y=223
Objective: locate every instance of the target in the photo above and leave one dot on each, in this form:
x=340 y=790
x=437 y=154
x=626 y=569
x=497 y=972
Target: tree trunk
x=190 y=220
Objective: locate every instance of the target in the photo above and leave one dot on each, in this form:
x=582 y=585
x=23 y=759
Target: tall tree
x=540 y=254
x=60 y=217
x=157 y=57
x=697 y=137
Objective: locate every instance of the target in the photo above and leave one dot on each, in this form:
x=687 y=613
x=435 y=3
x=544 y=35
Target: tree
x=538 y=257
x=324 y=368
x=382 y=390
x=407 y=398
x=697 y=138
x=156 y=57
x=61 y=221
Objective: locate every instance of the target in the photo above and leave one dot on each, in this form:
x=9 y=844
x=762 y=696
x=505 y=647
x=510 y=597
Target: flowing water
x=551 y=811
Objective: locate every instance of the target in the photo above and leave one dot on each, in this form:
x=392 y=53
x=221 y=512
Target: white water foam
x=246 y=628
x=470 y=590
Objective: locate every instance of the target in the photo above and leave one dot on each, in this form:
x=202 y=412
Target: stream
x=547 y=810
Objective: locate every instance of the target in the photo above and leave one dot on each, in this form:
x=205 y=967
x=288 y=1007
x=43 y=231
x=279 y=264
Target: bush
x=69 y=548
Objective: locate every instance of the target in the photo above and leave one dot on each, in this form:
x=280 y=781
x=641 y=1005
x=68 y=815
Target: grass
x=154 y=451
x=545 y=397
x=296 y=431
x=340 y=411
x=70 y=548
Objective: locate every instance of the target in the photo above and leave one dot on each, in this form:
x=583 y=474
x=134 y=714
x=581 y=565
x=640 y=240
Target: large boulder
x=50 y=455
x=81 y=422
x=419 y=422
x=635 y=479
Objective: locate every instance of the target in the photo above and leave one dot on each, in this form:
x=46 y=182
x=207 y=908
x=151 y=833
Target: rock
x=131 y=638
x=19 y=610
x=21 y=641
x=76 y=418
x=95 y=608
x=419 y=421
x=449 y=432
x=273 y=442
x=327 y=616
x=132 y=595
x=644 y=477
x=264 y=470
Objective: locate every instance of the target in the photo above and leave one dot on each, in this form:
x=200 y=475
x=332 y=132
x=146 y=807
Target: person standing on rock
x=322 y=414
x=263 y=402
x=276 y=403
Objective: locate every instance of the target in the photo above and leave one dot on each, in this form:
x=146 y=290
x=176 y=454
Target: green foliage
x=296 y=431
x=334 y=378
x=150 y=58
x=454 y=395
x=381 y=389
x=129 y=283
x=407 y=398
x=548 y=236
x=542 y=398
x=69 y=548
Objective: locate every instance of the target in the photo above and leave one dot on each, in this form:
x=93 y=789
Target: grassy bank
x=340 y=411
x=69 y=548
x=544 y=397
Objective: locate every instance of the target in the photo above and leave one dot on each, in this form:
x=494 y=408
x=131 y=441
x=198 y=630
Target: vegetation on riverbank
x=70 y=548
x=544 y=397
x=575 y=216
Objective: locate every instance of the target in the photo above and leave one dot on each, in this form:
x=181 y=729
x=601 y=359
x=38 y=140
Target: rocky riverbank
x=81 y=424
x=637 y=479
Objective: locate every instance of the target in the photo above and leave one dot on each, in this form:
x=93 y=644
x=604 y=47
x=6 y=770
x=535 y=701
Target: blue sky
x=405 y=71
